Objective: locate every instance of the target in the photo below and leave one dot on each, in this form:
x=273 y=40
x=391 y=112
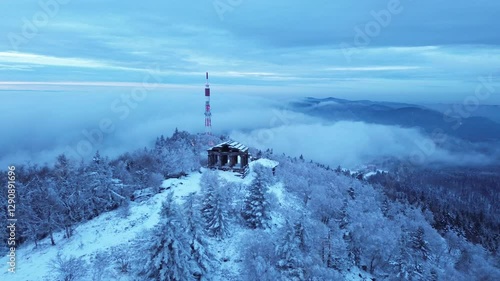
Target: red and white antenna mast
x=208 y=113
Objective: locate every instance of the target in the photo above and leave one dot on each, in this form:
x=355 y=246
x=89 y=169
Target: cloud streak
x=260 y=43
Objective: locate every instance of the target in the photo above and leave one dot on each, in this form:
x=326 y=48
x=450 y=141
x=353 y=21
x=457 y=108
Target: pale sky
x=420 y=51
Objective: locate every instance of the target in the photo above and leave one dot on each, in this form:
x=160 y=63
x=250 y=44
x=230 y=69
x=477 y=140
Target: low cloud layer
x=40 y=126
x=353 y=144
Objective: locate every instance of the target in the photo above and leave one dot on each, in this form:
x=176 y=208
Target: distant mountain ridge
x=484 y=110
x=474 y=129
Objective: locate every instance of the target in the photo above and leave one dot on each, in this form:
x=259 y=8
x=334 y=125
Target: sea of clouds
x=38 y=126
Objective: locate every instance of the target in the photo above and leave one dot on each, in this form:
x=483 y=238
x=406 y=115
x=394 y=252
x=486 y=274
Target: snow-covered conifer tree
x=214 y=207
x=199 y=253
x=258 y=253
x=290 y=262
x=177 y=155
x=256 y=210
x=169 y=248
x=102 y=194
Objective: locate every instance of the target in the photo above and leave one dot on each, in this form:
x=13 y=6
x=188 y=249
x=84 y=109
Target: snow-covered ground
x=100 y=234
x=115 y=229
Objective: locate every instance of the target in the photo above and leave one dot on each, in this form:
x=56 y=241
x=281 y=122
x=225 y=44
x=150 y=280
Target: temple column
x=242 y=156
x=224 y=158
x=214 y=159
x=211 y=161
x=235 y=159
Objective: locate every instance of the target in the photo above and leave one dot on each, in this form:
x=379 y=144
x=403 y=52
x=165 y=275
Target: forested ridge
x=305 y=221
x=464 y=199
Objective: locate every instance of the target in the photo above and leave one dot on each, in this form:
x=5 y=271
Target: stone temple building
x=229 y=155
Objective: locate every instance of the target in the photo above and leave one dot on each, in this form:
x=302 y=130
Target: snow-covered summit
x=117 y=229
x=298 y=222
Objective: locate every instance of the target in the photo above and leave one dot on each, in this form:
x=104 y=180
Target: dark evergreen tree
x=302 y=234
x=419 y=244
x=338 y=170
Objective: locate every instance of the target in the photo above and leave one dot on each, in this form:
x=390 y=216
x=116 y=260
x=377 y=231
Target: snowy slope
x=114 y=229
x=100 y=234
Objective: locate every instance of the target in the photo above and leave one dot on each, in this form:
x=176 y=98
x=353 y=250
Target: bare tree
x=68 y=268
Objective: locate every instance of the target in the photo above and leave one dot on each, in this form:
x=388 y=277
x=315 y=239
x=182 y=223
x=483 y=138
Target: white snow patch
x=184 y=186
x=369 y=174
x=264 y=162
x=278 y=190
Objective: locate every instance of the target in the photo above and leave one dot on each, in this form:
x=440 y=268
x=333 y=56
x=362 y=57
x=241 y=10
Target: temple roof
x=230 y=145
